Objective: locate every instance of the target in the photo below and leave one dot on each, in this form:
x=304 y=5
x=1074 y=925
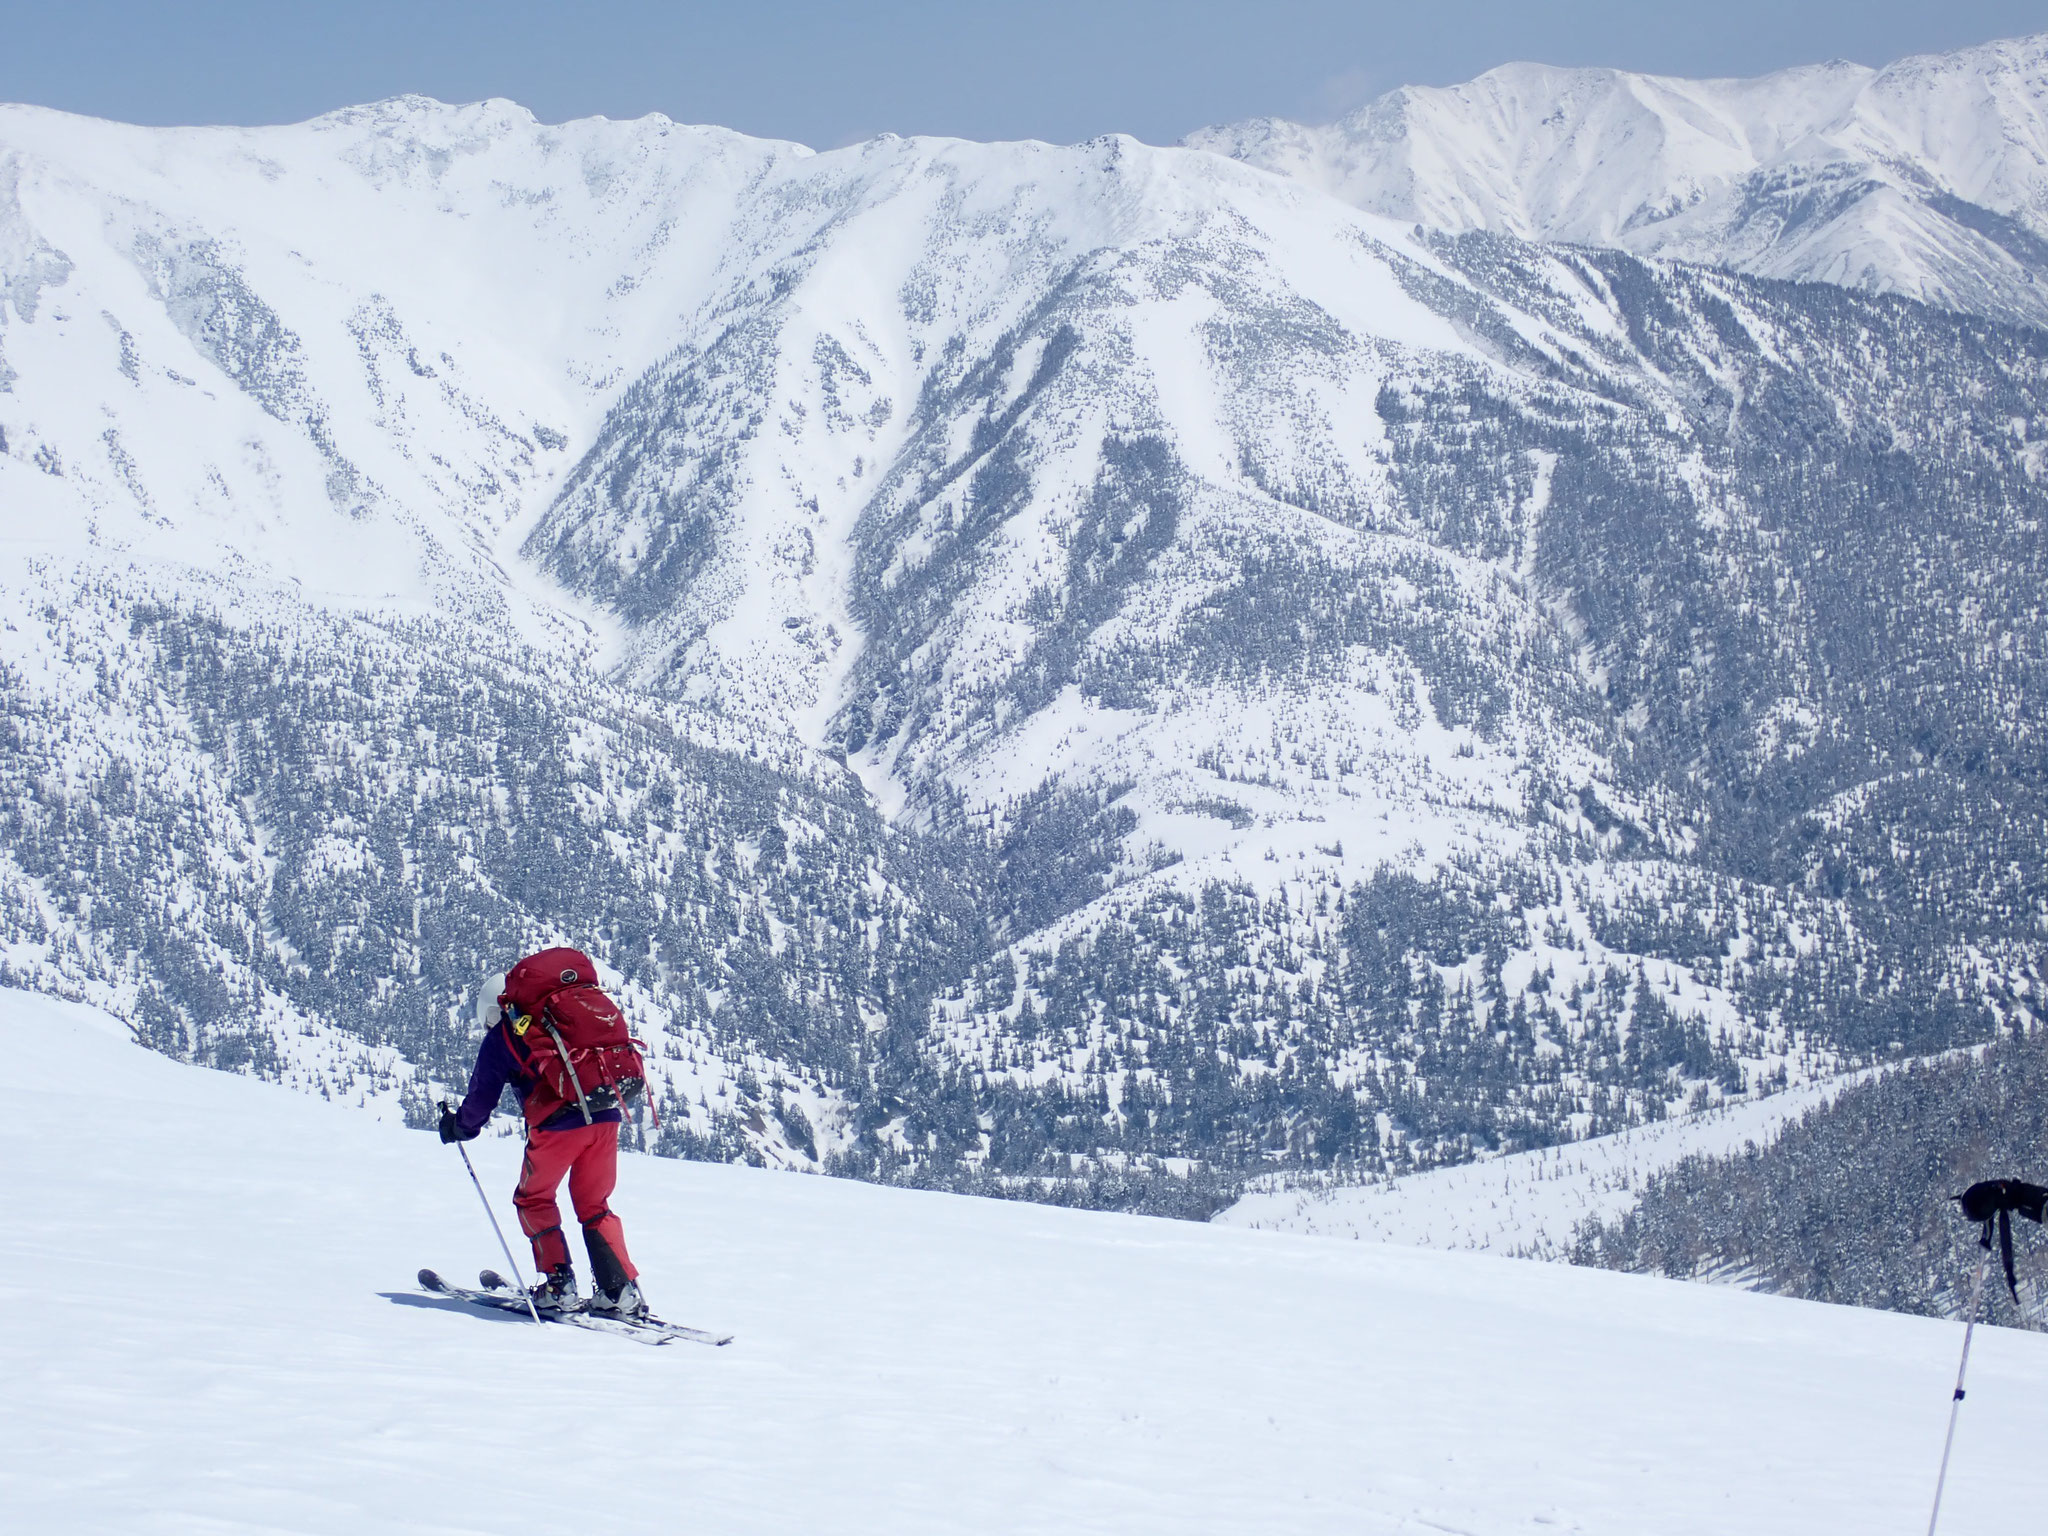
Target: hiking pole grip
x=1955 y=1406
x=504 y=1247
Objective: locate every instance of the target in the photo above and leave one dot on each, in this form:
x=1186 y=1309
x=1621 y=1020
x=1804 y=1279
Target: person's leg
x=548 y=1156
x=592 y=1178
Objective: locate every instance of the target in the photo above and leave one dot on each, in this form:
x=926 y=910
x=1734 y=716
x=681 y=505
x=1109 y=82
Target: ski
x=504 y=1298
x=500 y=1292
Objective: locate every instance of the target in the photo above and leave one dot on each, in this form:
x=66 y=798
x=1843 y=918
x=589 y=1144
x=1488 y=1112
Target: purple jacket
x=495 y=1067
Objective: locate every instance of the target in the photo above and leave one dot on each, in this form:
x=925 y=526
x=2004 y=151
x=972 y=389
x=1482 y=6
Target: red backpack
x=570 y=1038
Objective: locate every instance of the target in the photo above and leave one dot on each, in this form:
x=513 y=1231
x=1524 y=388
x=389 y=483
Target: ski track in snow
x=1526 y=1204
x=210 y=1325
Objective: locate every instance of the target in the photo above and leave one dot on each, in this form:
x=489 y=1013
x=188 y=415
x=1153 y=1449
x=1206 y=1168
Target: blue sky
x=830 y=74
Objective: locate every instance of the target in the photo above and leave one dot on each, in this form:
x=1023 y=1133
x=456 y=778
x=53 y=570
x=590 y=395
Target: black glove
x=450 y=1131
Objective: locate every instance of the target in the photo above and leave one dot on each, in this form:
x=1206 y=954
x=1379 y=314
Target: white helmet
x=487 y=994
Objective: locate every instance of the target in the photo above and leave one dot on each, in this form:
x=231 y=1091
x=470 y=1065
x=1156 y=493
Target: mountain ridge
x=1038 y=667
x=1928 y=177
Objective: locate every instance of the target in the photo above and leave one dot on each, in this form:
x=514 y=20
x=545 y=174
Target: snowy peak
x=1927 y=178
x=1538 y=152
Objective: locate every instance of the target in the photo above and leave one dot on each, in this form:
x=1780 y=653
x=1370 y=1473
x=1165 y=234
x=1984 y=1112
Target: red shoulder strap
x=516 y=1045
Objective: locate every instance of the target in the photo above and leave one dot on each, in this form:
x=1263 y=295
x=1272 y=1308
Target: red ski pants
x=589 y=1155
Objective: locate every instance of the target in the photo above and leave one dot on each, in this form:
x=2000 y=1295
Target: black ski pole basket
x=1991 y=1202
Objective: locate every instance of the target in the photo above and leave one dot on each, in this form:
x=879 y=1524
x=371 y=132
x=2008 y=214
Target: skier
x=580 y=1139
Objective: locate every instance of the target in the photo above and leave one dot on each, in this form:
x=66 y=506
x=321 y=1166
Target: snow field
x=207 y=1324
x=1527 y=1204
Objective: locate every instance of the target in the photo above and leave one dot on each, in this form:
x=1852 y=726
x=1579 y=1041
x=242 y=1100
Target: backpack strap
x=568 y=1062
x=524 y=1056
x=515 y=1041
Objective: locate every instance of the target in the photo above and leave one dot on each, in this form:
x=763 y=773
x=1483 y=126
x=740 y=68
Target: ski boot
x=557 y=1293
x=626 y=1302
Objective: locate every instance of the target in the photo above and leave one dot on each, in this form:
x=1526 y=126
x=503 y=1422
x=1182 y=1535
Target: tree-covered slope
x=1852 y=1204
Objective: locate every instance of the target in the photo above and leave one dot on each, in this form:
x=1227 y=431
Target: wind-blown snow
x=210 y=1325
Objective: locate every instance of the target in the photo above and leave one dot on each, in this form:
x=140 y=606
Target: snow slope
x=209 y=1326
x=1928 y=177
x=1526 y=1204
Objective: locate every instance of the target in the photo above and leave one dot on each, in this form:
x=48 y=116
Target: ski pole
x=512 y=1263
x=1955 y=1406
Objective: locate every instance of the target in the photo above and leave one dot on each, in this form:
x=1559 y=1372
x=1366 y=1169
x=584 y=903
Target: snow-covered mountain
x=1928 y=177
x=216 y=1278
x=1022 y=659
